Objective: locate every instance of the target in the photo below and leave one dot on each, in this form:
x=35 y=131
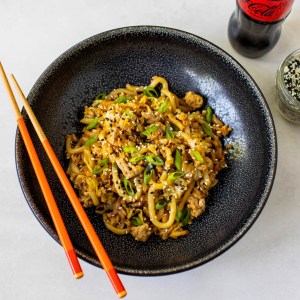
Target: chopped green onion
x=129 y=149
x=98 y=169
x=105 y=160
x=91 y=140
x=150 y=129
x=178 y=215
x=185 y=216
x=175 y=175
x=208 y=115
x=129 y=113
x=178 y=159
x=136 y=159
x=136 y=221
x=207 y=129
x=100 y=96
x=93 y=124
x=161 y=203
x=148 y=172
x=163 y=107
x=169 y=132
x=150 y=92
x=155 y=160
x=122 y=99
x=198 y=156
x=128 y=187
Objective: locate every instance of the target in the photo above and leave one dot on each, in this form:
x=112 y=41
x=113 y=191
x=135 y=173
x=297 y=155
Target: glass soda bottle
x=255 y=26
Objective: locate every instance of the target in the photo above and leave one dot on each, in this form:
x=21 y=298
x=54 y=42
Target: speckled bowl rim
x=212 y=47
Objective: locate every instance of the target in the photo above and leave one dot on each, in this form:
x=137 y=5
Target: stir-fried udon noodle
x=147 y=159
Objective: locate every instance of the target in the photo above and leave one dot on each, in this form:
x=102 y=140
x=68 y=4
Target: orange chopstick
x=83 y=218
x=50 y=201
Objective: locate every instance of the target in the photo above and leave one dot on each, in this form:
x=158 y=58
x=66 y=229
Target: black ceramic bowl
x=133 y=55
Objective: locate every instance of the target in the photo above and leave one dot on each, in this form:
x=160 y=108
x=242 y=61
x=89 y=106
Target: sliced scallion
x=207 y=129
x=128 y=187
x=91 y=140
x=208 y=115
x=93 y=124
x=128 y=113
x=122 y=99
x=160 y=204
x=155 y=160
x=148 y=172
x=163 y=107
x=169 y=132
x=102 y=164
x=150 y=129
x=136 y=159
x=178 y=215
x=198 y=156
x=100 y=96
x=150 y=92
x=185 y=216
x=136 y=221
x=178 y=159
x=175 y=175
x=130 y=149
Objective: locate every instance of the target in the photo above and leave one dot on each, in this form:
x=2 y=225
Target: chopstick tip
x=78 y=275
x=122 y=294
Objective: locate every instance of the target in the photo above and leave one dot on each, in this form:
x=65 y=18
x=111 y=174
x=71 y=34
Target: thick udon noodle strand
x=146 y=159
x=152 y=214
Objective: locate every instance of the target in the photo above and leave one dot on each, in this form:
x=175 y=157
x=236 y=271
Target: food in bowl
x=147 y=159
x=134 y=54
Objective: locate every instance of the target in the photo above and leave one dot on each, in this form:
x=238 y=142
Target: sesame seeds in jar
x=288 y=87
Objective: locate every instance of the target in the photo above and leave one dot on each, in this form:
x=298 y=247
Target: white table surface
x=264 y=264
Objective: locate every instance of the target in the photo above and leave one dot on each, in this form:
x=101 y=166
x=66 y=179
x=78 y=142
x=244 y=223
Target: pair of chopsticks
x=55 y=214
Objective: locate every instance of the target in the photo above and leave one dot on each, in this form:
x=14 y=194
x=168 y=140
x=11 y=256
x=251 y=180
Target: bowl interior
x=133 y=55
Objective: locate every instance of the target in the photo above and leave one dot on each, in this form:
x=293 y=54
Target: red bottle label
x=266 y=10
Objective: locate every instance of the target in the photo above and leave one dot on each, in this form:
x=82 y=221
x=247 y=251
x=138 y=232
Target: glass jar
x=288 y=87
